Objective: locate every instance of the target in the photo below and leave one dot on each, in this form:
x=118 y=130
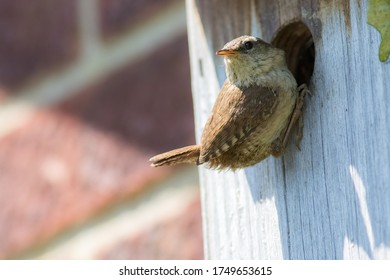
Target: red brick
x=3 y=94
x=117 y=15
x=148 y=103
x=56 y=172
x=75 y=159
x=36 y=37
x=177 y=238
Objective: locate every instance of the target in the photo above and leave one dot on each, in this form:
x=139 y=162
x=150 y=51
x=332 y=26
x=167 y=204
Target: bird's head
x=249 y=60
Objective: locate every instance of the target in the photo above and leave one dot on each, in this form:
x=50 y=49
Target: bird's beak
x=227 y=52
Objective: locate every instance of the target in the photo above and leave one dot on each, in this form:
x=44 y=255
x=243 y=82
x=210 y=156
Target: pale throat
x=245 y=73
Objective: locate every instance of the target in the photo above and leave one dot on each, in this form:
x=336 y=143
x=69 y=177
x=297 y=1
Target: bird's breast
x=279 y=118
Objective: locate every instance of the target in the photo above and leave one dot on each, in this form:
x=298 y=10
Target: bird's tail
x=189 y=154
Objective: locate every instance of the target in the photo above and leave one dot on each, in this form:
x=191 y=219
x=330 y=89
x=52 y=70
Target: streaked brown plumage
x=253 y=114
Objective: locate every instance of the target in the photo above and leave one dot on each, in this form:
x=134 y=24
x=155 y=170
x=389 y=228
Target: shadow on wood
x=332 y=199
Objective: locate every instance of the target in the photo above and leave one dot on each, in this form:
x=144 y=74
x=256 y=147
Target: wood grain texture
x=332 y=199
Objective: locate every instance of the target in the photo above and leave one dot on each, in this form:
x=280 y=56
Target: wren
x=254 y=113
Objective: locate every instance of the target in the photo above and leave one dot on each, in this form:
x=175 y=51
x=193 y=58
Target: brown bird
x=254 y=112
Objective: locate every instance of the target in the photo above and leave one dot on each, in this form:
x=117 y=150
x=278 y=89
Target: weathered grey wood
x=332 y=199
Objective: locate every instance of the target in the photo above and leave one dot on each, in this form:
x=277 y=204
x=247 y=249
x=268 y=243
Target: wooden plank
x=332 y=199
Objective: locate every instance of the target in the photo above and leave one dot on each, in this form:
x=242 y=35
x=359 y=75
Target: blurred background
x=89 y=91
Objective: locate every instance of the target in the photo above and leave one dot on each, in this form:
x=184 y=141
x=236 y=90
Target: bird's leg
x=279 y=146
x=299 y=132
x=276 y=148
x=297 y=116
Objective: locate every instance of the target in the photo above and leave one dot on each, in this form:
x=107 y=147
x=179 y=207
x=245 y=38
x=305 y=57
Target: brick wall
x=89 y=90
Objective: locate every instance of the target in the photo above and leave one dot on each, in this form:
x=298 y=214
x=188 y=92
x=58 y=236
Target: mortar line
x=137 y=43
x=89 y=23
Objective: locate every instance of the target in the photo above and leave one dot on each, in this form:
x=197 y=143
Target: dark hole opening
x=297 y=41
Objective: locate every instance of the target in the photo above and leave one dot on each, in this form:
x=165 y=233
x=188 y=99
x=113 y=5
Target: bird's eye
x=248 y=45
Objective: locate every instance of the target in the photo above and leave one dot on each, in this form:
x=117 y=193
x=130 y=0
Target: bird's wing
x=235 y=115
